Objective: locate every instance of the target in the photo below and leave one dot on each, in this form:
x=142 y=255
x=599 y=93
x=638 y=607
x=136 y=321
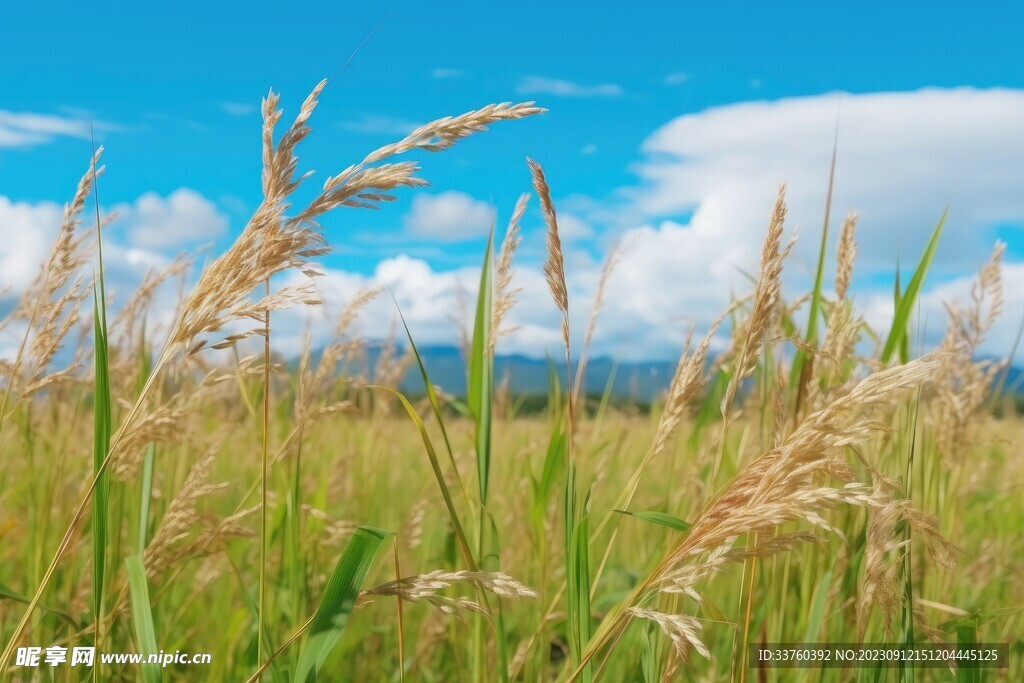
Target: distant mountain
x=634 y=381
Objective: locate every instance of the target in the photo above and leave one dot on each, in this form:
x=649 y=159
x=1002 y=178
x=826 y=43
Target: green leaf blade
x=338 y=599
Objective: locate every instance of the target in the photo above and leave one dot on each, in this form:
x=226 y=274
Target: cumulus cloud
x=535 y=85
x=448 y=216
x=27 y=232
x=181 y=219
x=902 y=158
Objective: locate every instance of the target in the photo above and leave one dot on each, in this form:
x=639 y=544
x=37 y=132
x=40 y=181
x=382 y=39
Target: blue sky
x=646 y=103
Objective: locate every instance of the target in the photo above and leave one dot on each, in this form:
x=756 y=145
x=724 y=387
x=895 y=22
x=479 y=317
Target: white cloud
x=902 y=157
x=447 y=73
x=676 y=78
x=380 y=124
x=26 y=129
x=238 y=108
x=27 y=232
x=448 y=216
x=533 y=85
x=183 y=218
x=589 y=149
x=572 y=227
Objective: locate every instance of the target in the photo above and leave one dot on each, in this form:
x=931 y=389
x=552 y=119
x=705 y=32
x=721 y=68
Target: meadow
x=812 y=480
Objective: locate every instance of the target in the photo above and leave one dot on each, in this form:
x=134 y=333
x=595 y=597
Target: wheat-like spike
x=554 y=265
x=420 y=586
x=884 y=551
x=846 y=254
x=427 y=586
x=607 y=268
x=50 y=306
x=766 y=298
x=964 y=383
x=159 y=424
x=505 y=296
x=785 y=484
x=181 y=515
x=445 y=132
x=681 y=629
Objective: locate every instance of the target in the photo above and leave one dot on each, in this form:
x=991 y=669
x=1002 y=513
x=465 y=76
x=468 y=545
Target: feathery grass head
x=846 y=254
x=766 y=298
x=504 y=294
x=49 y=307
x=554 y=265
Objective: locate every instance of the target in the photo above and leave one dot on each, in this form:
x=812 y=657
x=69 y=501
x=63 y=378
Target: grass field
x=813 y=480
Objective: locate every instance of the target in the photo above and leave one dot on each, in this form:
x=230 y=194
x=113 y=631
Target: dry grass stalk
x=846 y=254
x=789 y=484
x=884 y=552
x=554 y=265
x=505 y=296
x=766 y=299
x=160 y=423
x=49 y=307
x=428 y=586
x=964 y=383
x=311 y=381
x=181 y=515
x=681 y=629
x=607 y=268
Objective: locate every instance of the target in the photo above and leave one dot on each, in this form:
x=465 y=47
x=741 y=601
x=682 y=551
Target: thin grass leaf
x=553 y=462
x=338 y=600
x=101 y=426
x=7 y=593
x=480 y=383
x=142 y=616
x=146 y=488
x=578 y=592
x=659 y=518
x=908 y=299
x=428 y=445
x=435 y=403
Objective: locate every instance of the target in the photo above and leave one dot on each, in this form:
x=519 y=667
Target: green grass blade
x=142 y=616
x=553 y=462
x=101 y=438
x=435 y=403
x=7 y=593
x=480 y=383
x=428 y=445
x=659 y=518
x=908 y=299
x=146 y=492
x=578 y=592
x=338 y=600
